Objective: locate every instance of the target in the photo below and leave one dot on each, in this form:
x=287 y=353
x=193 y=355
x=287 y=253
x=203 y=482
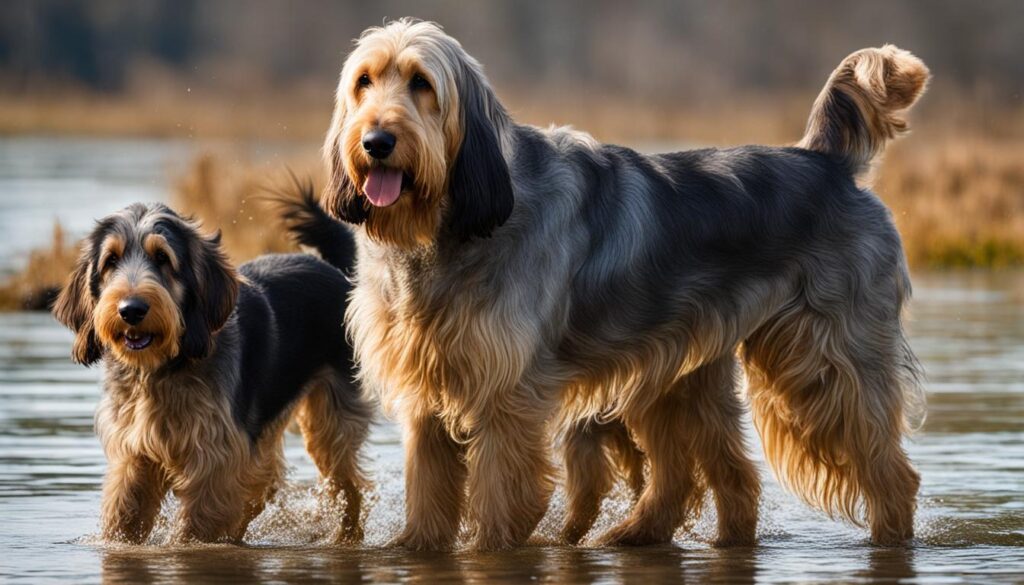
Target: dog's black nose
x=132 y=310
x=379 y=143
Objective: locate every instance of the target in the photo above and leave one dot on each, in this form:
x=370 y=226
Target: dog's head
x=147 y=288
x=414 y=144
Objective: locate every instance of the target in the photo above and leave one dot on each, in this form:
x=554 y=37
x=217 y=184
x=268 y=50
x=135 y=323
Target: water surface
x=968 y=329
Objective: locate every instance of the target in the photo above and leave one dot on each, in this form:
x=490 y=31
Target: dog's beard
x=147 y=345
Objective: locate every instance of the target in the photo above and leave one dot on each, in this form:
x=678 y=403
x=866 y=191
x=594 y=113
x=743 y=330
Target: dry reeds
x=221 y=195
x=956 y=187
x=35 y=287
x=958 y=203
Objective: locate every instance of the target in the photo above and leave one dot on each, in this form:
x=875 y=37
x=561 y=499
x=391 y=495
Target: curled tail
x=861 y=106
x=310 y=225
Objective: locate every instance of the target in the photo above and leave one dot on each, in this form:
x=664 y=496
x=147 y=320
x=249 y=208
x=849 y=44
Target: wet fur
x=554 y=278
x=202 y=413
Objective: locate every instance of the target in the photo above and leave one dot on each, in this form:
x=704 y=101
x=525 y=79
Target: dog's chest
x=169 y=423
x=445 y=346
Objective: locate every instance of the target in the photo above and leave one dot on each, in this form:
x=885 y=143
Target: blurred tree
x=692 y=47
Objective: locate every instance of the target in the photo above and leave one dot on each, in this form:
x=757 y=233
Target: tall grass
x=35 y=287
x=958 y=203
x=219 y=193
x=233 y=198
x=956 y=187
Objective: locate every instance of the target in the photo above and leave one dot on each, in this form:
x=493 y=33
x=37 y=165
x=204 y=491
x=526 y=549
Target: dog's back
x=291 y=313
x=290 y=320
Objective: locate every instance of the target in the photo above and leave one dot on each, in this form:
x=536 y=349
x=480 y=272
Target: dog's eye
x=418 y=82
x=160 y=258
x=364 y=80
x=110 y=261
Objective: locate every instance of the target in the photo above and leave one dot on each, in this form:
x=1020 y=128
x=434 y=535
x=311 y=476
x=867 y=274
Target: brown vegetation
x=230 y=197
x=956 y=186
x=36 y=285
x=958 y=203
x=233 y=198
x=166 y=108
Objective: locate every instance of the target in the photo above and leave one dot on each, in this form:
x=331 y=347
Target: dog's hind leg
x=665 y=431
x=831 y=395
x=721 y=452
x=693 y=439
x=335 y=421
x=592 y=449
x=263 y=478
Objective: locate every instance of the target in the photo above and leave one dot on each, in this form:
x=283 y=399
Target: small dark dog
x=205 y=368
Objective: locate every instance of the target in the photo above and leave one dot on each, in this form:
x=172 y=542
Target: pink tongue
x=383 y=186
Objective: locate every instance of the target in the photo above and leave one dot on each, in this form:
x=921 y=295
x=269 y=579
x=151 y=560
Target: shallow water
x=968 y=329
x=75 y=181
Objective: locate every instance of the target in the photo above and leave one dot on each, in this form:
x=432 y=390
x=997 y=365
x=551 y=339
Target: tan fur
x=164 y=321
x=829 y=432
x=470 y=362
x=435 y=483
x=454 y=366
x=631 y=379
x=185 y=440
x=427 y=121
x=693 y=440
x=168 y=419
x=880 y=83
x=460 y=366
x=333 y=434
x=594 y=449
x=162 y=436
x=155 y=244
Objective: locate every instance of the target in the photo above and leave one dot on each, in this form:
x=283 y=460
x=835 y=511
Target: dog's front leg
x=133 y=489
x=510 y=473
x=213 y=504
x=435 y=479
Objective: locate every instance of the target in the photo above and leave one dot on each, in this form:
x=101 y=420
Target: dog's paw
x=499 y=537
x=349 y=536
x=417 y=541
x=892 y=538
x=634 y=533
x=734 y=540
x=572 y=535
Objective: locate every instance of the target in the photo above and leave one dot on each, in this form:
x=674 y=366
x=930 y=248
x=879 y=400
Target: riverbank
x=956 y=185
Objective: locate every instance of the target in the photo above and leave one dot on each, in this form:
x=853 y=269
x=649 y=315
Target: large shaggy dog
x=205 y=366
x=508 y=273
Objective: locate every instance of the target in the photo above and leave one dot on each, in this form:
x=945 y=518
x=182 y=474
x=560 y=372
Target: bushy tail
x=310 y=225
x=861 y=106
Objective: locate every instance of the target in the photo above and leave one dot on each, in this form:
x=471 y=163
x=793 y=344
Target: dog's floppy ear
x=74 y=308
x=340 y=198
x=213 y=294
x=480 y=185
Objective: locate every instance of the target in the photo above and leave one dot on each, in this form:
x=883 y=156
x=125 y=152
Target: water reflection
x=968 y=329
x=891 y=564
x=224 y=564
x=970 y=525
x=669 y=564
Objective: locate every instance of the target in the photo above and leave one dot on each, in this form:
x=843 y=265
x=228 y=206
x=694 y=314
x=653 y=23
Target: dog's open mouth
x=384 y=185
x=137 y=341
